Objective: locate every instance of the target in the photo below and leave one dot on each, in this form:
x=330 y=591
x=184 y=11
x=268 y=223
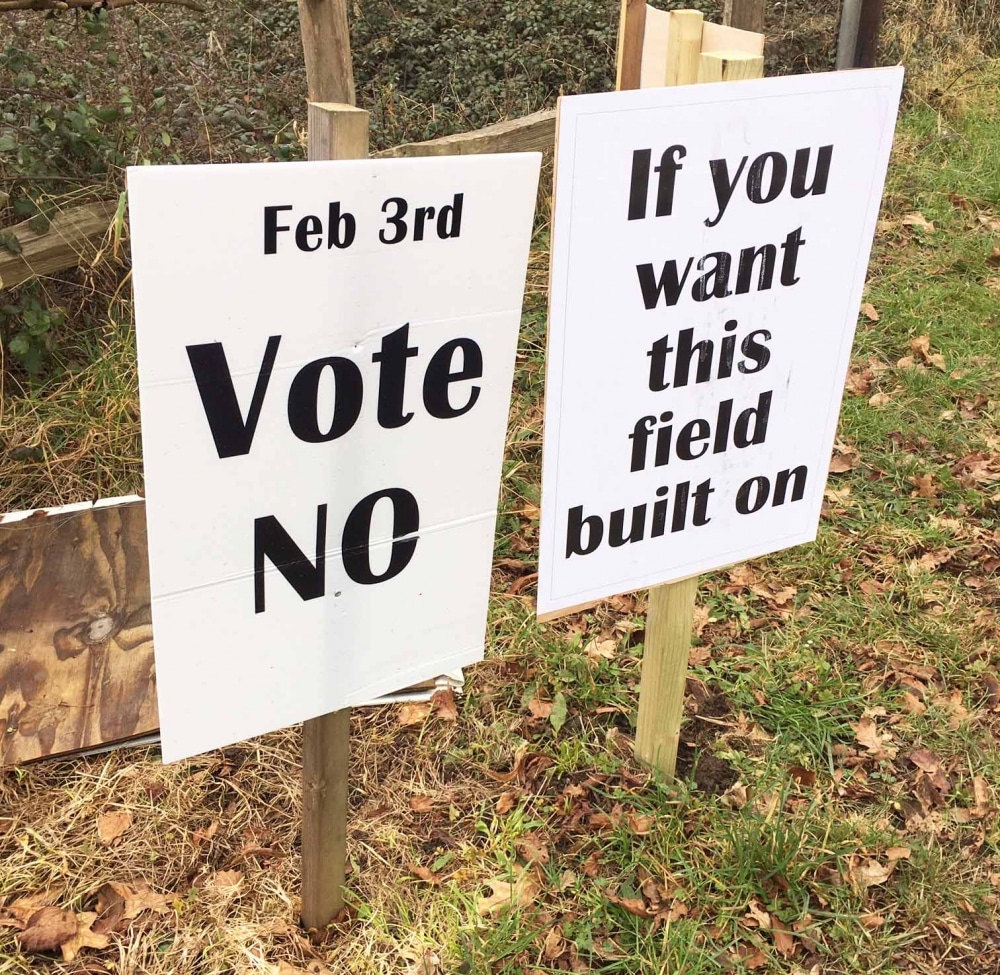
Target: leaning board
x=76 y=639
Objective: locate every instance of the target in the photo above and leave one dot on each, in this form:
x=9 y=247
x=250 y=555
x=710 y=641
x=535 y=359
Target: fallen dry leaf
x=506 y=802
x=532 y=849
x=227 y=878
x=869 y=311
x=23 y=908
x=869 y=873
x=598 y=650
x=84 y=937
x=429 y=963
x=421 y=804
x=844 y=459
x=879 y=399
x=444 y=701
x=521 y=894
x=925 y=486
x=539 y=709
x=921 y=349
x=634 y=905
x=555 y=945
x=47 y=929
x=111 y=825
x=866 y=733
x=981 y=795
x=784 y=941
x=424 y=873
x=640 y=825
x=918 y=221
x=411 y=714
x=117 y=904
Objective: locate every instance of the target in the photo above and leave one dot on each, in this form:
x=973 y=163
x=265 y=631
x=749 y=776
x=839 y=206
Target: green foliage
x=28 y=328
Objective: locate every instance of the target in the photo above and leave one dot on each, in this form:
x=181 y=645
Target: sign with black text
x=326 y=353
x=710 y=245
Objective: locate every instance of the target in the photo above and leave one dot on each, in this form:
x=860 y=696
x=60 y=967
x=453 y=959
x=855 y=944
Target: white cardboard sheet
x=689 y=425
x=352 y=326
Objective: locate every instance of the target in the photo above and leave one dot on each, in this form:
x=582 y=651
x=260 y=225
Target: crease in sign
x=350 y=350
x=335 y=551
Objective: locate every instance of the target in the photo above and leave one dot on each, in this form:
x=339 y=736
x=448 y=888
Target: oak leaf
x=111 y=825
x=47 y=929
x=444 y=701
x=918 y=221
x=227 y=879
x=866 y=733
x=521 y=893
x=414 y=713
x=84 y=937
x=539 y=709
x=844 y=459
x=506 y=802
x=870 y=873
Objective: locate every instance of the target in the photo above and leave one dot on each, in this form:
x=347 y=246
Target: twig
x=76 y=4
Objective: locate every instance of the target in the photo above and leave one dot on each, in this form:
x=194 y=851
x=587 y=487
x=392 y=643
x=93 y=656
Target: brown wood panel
x=76 y=636
x=73 y=238
x=532 y=132
x=745 y=14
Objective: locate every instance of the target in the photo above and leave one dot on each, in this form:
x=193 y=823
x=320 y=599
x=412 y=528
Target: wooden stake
x=847 y=40
x=683 y=47
x=335 y=132
x=326 y=44
x=664 y=673
x=631 y=31
x=729 y=66
x=745 y=14
x=869 y=27
x=671 y=606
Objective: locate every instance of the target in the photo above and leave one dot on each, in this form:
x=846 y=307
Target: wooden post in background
x=869 y=27
x=631 y=30
x=745 y=14
x=326 y=44
x=335 y=132
x=847 y=39
x=670 y=612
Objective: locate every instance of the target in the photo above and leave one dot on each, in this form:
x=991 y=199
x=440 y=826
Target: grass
x=839 y=759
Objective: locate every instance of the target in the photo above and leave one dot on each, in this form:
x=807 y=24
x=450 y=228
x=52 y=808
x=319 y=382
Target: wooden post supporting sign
x=671 y=606
x=335 y=132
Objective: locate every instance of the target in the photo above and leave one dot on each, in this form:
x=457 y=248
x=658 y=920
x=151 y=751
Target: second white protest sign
x=325 y=361
x=710 y=245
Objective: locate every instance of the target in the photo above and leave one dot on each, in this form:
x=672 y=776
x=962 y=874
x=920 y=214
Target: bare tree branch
x=77 y=4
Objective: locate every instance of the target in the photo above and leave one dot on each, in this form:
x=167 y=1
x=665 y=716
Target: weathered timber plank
x=76 y=636
x=76 y=647
x=326 y=45
x=532 y=133
x=74 y=237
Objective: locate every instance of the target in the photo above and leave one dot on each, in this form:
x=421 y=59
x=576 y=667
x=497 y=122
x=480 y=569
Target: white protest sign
x=710 y=244
x=326 y=353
